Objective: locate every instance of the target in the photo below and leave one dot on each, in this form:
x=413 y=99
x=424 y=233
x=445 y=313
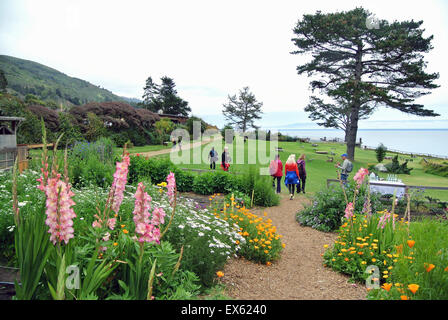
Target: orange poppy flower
x=387 y=286
x=413 y=287
x=411 y=243
x=429 y=267
x=220 y=274
x=404 y=297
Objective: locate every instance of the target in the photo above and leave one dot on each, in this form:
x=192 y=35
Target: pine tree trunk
x=356 y=106
x=352 y=132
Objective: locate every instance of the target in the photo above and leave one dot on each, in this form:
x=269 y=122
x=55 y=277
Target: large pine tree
x=362 y=63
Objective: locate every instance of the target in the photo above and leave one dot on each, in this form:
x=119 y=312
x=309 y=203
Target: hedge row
x=207 y=183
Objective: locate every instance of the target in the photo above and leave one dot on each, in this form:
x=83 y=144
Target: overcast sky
x=210 y=48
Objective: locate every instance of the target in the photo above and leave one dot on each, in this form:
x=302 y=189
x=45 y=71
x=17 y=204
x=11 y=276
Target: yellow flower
x=325 y=245
x=220 y=274
x=115 y=244
x=373 y=260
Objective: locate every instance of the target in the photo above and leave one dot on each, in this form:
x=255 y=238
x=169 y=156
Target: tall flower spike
x=119 y=183
x=360 y=176
x=59 y=211
x=349 y=210
x=171 y=186
x=146 y=231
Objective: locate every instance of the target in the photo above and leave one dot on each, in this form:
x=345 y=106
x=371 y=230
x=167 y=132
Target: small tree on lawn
x=380 y=152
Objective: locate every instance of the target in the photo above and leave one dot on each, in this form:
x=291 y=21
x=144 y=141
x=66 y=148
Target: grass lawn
x=317 y=166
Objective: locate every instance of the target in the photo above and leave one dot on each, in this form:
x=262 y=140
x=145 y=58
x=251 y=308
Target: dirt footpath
x=299 y=274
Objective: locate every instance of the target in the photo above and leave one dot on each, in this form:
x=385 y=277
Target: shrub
x=397 y=168
x=380 y=152
x=264 y=194
x=92 y=163
x=327 y=209
x=212 y=182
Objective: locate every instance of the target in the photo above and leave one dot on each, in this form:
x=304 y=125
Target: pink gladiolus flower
x=158 y=216
x=171 y=186
x=111 y=223
x=119 y=183
x=59 y=210
x=349 y=210
x=360 y=175
x=146 y=231
x=96 y=224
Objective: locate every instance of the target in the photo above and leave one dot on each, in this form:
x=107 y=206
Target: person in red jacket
x=292 y=175
x=276 y=171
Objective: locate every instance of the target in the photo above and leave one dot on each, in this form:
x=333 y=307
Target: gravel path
x=175 y=149
x=299 y=274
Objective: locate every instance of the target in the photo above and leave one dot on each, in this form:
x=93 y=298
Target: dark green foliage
x=380 y=152
x=397 y=168
x=92 y=163
x=164 y=98
x=328 y=207
x=3 y=81
x=212 y=182
x=264 y=194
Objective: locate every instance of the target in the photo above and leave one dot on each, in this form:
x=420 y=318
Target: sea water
x=419 y=141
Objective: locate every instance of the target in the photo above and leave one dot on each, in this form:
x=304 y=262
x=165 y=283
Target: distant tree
x=31 y=99
x=71 y=131
x=363 y=63
x=95 y=127
x=151 y=99
x=380 y=152
x=335 y=115
x=50 y=117
x=231 y=134
x=3 y=81
x=164 y=98
x=189 y=125
x=163 y=128
x=242 y=110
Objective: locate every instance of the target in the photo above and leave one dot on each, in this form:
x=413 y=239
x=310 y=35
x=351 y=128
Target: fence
x=407 y=187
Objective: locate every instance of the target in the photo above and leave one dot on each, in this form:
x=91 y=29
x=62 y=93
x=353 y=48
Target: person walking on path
x=225 y=159
x=213 y=157
x=291 y=175
x=276 y=171
x=346 y=167
x=302 y=173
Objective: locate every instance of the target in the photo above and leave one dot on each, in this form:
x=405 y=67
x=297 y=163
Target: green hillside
x=29 y=77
